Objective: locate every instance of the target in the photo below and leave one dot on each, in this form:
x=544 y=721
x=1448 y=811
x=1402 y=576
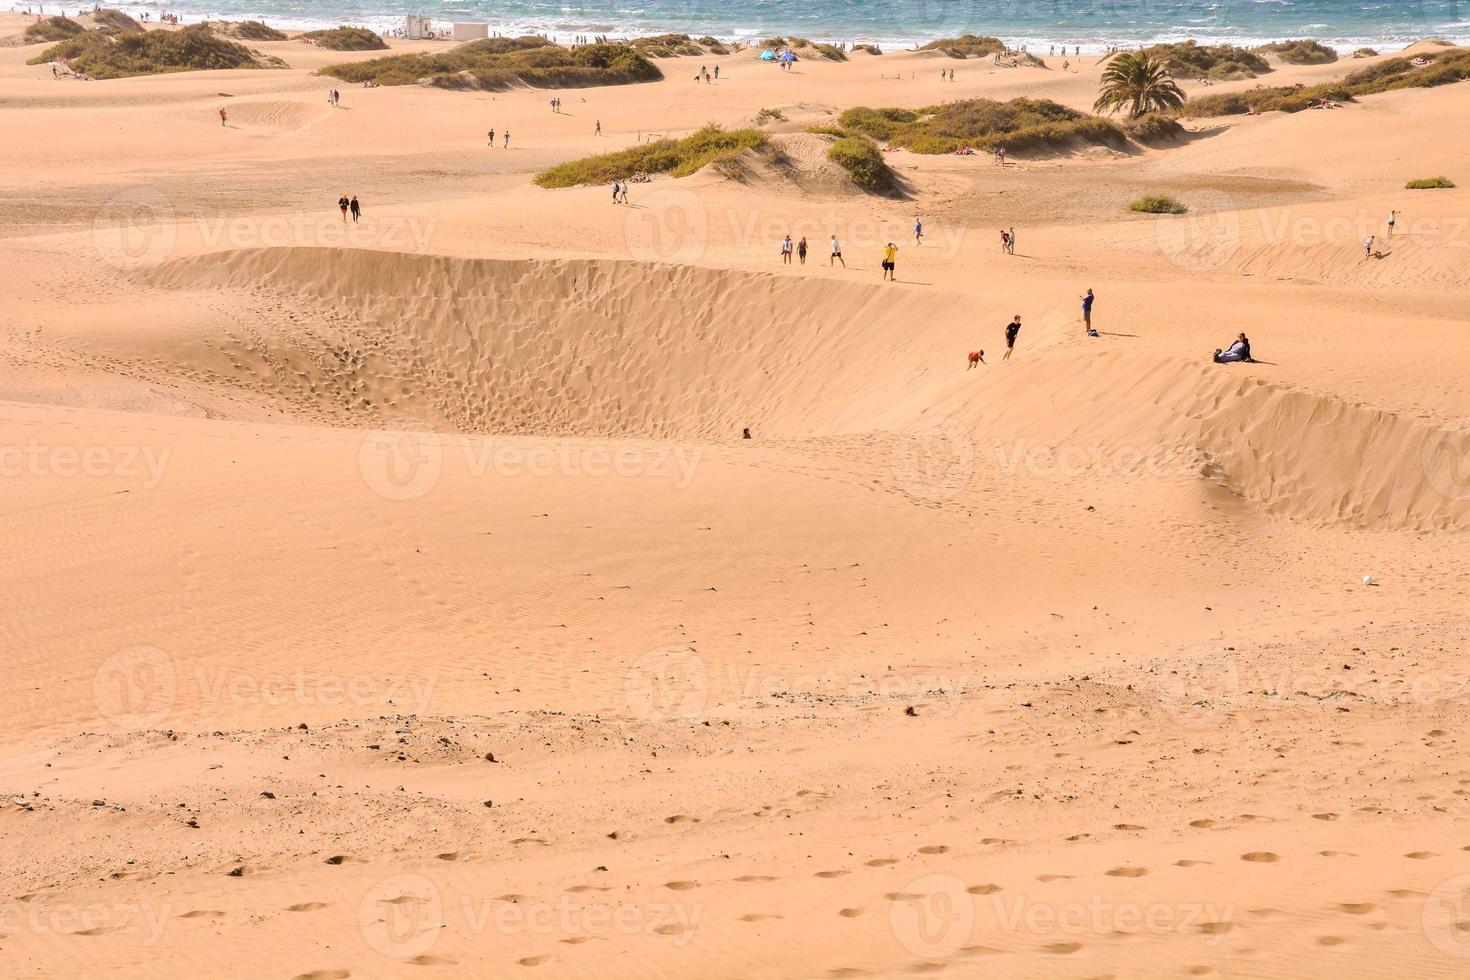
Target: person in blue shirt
x=1087 y=314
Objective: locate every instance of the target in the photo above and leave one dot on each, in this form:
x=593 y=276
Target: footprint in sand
x=750 y=878
x=1126 y=872
x=337 y=859
x=1357 y=908
x=747 y=917
x=885 y=862
x=1044 y=879
x=1215 y=928
x=830 y=874
x=448 y=856
x=849 y=913
x=202 y=914
x=1062 y=948
x=1187 y=863
x=1419 y=855
x=323 y=975
x=680 y=818
x=847 y=971
x=1330 y=940
x=306 y=907
x=1324 y=816
x=529 y=840
x=1201 y=970
x=983 y=889
x=1128 y=826
x=926 y=966
x=934 y=849
x=681 y=886
x=1261 y=857
x=98 y=931
x=534 y=960
x=427 y=960
x=1202 y=824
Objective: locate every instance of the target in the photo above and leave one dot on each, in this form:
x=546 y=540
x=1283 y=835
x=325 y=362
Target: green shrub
x=1429 y=183
x=1301 y=52
x=1154 y=127
x=827 y=130
x=1384 y=69
x=967 y=46
x=864 y=164
x=678 y=157
x=1186 y=59
x=1157 y=205
x=194 y=48
x=881 y=124
x=1019 y=124
x=51 y=29
x=347 y=39
x=499 y=63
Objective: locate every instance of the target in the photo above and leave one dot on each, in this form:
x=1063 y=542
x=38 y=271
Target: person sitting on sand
x=1239 y=351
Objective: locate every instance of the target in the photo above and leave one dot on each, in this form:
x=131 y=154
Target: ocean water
x=1092 y=24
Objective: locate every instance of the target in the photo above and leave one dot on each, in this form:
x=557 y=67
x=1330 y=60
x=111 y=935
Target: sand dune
x=400 y=598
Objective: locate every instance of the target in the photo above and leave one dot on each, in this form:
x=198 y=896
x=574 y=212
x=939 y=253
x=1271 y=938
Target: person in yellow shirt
x=890 y=262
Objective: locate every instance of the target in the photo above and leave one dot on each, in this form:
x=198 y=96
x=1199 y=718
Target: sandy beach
x=398 y=597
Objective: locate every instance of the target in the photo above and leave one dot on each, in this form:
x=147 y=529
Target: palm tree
x=1140 y=83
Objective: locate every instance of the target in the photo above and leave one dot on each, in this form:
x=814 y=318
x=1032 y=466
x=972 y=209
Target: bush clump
x=1019 y=124
x=769 y=115
x=864 y=164
x=1429 y=183
x=1154 y=127
x=51 y=29
x=1300 y=52
x=1365 y=53
x=678 y=157
x=1186 y=59
x=114 y=22
x=500 y=63
x=667 y=45
x=819 y=130
x=869 y=48
x=347 y=39
x=1157 y=204
x=967 y=46
x=194 y=48
x=248 y=30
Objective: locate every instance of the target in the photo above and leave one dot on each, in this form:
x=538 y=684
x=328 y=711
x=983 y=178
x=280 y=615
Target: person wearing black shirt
x=1012 y=329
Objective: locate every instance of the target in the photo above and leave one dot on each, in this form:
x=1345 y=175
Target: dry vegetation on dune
x=967 y=46
x=500 y=63
x=51 y=29
x=677 y=157
x=1395 y=73
x=674 y=45
x=194 y=48
x=806 y=47
x=347 y=39
x=1188 y=59
x=247 y=30
x=1430 y=184
x=114 y=21
x=1302 y=52
x=864 y=164
x=1019 y=124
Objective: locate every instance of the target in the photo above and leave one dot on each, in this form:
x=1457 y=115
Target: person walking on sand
x=717 y=73
x=918 y=232
x=625 y=190
x=507 y=139
x=1087 y=314
x=222 y=117
x=355 y=208
x=837 y=253
x=1005 y=241
x=786 y=251
x=1393 y=219
x=343 y=204
x=801 y=250
x=491 y=134
x=1368 y=247
x=890 y=262
x=1011 y=241
x=597 y=129
x=1013 y=330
